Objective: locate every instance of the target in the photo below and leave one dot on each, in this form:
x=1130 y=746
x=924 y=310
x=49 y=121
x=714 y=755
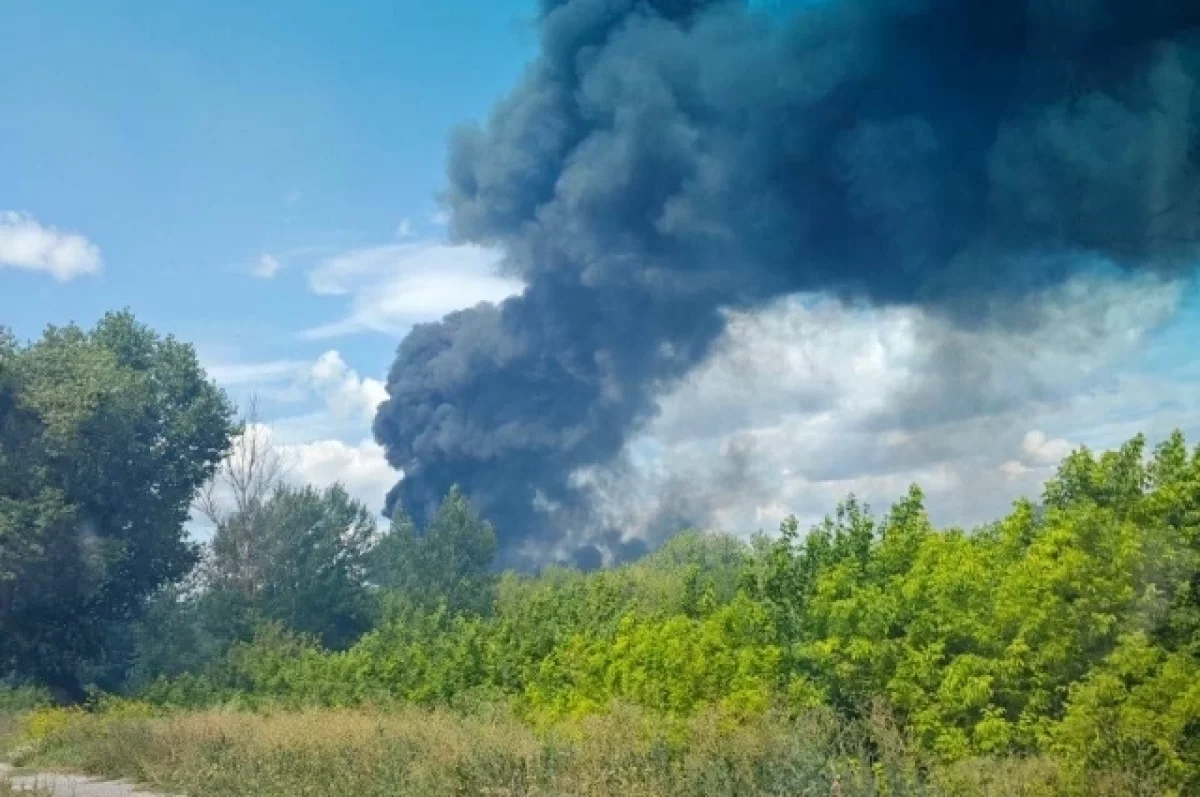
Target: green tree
x=1139 y=710
x=787 y=568
x=105 y=437
x=449 y=561
x=675 y=664
x=175 y=634
x=1139 y=713
x=300 y=558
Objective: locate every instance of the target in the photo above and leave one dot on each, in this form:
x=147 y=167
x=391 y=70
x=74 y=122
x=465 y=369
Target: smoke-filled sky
x=665 y=162
x=736 y=260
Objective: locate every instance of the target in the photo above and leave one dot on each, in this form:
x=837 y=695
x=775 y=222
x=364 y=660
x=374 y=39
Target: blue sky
x=188 y=140
x=257 y=178
x=260 y=179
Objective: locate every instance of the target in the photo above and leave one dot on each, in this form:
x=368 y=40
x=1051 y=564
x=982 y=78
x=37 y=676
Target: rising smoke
x=663 y=161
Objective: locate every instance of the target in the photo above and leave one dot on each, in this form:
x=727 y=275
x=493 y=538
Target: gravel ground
x=74 y=785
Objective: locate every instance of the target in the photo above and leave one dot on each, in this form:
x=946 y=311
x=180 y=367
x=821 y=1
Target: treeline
x=1069 y=628
x=106 y=435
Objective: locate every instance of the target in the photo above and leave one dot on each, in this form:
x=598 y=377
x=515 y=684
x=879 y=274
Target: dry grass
x=413 y=752
x=8 y=732
x=8 y=737
x=1040 y=776
x=427 y=753
x=6 y=790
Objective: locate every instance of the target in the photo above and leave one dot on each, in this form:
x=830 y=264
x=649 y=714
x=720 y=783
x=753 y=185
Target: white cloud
x=325 y=445
x=345 y=392
x=1012 y=469
x=440 y=218
x=1043 y=450
x=361 y=468
x=343 y=395
x=394 y=286
x=240 y=374
x=26 y=244
x=404 y=229
x=809 y=400
x=266 y=267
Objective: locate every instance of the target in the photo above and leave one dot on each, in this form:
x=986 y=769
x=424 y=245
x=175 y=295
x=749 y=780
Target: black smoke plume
x=664 y=159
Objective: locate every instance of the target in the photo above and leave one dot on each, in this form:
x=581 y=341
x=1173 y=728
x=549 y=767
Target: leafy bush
x=16 y=699
x=1060 y=644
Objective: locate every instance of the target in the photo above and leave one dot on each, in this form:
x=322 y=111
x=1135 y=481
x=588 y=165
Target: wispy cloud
x=404 y=229
x=259 y=373
x=394 y=286
x=266 y=267
x=344 y=395
x=28 y=245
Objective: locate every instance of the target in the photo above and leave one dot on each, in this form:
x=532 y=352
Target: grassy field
x=8 y=731
x=412 y=752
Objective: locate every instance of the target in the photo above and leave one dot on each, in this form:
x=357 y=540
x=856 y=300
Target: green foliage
x=297 y=560
x=449 y=561
x=182 y=629
x=1138 y=712
x=1062 y=639
x=674 y=665
x=19 y=699
x=1066 y=629
x=307 y=568
x=984 y=642
x=105 y=435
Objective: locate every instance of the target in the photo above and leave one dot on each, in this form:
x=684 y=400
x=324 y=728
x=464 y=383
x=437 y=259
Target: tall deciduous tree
x=105 y=437
x=244 y=483
x=307 y=567
x=449 y=561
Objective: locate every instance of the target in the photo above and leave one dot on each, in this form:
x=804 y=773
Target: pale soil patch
x=73 y=785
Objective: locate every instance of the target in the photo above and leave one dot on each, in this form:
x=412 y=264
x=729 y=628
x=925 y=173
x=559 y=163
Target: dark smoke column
x=665 y=159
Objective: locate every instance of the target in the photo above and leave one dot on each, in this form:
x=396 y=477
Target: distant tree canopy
x=300 y=558
x=1068 y=628
x=105 y=437
x=449 y=561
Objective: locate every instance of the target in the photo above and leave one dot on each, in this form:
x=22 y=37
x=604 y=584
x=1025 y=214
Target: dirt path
x=73 y=785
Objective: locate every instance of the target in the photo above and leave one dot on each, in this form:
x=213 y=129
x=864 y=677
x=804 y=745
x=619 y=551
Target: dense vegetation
x=407 y=751
x=1061 y=640
x=105 y=437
